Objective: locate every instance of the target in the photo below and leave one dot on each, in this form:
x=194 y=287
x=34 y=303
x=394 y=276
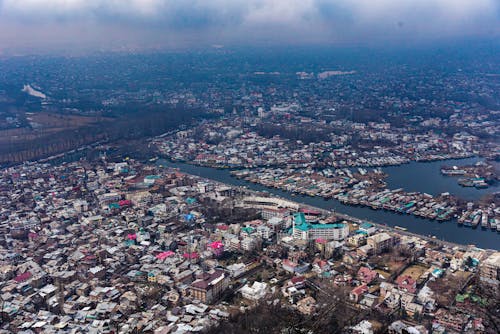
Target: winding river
x=416 y=176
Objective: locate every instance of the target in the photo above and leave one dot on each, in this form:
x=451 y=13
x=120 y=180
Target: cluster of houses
x=125 y=247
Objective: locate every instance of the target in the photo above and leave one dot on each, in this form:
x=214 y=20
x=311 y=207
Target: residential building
x=209 y=286
x=256 y=292
x=489 y=270
x=380 y=242
x=301 y=229
x=356 y=293
x=307 y=305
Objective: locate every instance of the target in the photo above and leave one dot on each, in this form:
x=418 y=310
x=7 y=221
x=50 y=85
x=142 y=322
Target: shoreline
x=444 y=232
x=347 y=217
x=268 y=191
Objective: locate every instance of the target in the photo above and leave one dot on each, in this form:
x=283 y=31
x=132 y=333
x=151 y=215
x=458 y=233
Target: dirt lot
x=415 y=271
x=446 y=288
x=387 y=262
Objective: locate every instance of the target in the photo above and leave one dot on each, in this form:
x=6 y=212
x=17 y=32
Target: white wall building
x=255 y=292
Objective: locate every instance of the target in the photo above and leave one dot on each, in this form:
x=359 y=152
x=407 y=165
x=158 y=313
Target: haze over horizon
x=48 y=25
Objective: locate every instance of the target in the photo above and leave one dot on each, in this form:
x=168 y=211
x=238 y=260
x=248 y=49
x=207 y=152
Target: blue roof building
x=307 y=231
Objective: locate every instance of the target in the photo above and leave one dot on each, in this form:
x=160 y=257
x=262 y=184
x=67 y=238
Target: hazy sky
x=115 y=24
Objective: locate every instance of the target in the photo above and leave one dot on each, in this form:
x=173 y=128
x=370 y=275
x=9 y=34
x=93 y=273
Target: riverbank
x=446 y=231
x=359 y=188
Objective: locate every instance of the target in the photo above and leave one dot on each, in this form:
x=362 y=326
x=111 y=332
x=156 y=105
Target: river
x=412 y=177
x=426 y=177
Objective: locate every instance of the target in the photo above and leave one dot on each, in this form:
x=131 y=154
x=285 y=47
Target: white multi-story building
x=248 y=244
x=301 y=229
x=255 y=292
x=489 y=270
x=264 y=231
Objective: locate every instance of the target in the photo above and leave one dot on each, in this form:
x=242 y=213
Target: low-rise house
x=366 y=275
x=307 y=305
x=393 y=299
x=356 y=293
x=406 y=283
x=364 y=327
x=320 y=266
x=369 y=300
x=399 y=327
x=295 y=267
x=451 y=321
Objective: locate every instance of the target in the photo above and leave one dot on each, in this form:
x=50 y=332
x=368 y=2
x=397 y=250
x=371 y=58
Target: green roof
x=248 y=230
x=307 y=226
x=326 y=226
x=300 y=218
x=303 y=226
x=366 y=225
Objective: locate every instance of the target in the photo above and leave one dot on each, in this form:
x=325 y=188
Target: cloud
x=170 y=22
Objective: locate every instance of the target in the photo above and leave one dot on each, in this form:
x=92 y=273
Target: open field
x=415 y=271
x=57 y=121
x=388 y=262
x=47 y=124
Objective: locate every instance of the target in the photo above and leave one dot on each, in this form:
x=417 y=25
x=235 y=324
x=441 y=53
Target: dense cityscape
x=127 y=246
x=307 y=177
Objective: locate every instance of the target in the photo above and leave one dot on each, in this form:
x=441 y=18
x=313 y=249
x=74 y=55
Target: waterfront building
x=303 y=230
x=380 y=242
x=367 y=228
